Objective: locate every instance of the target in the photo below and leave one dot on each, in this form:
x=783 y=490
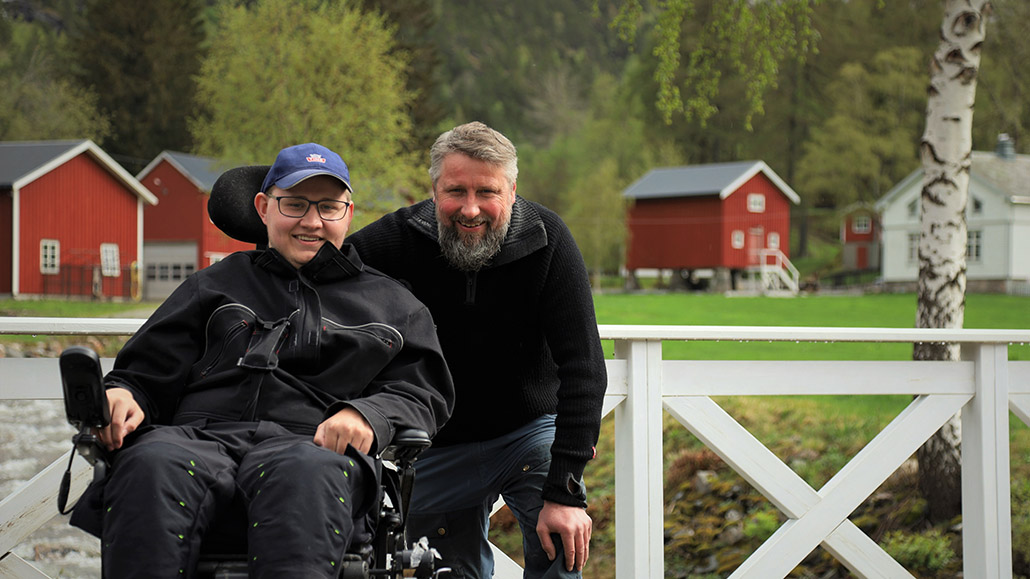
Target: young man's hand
x=345 y=427
x=126 y=416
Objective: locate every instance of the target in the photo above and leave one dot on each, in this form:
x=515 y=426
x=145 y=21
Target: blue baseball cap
x=299 y=162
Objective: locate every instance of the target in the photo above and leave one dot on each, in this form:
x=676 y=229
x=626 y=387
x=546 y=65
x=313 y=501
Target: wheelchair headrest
x=231 y=205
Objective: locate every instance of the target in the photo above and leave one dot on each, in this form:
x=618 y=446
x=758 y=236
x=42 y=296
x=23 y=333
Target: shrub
x=928 y=551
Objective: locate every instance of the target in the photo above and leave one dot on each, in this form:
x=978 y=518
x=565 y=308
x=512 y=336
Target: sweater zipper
x=470 y=288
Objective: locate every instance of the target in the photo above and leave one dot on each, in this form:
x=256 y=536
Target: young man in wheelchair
x=269 y=379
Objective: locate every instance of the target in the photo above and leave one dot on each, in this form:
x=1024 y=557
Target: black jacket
x=253 y=338
x=520 y=335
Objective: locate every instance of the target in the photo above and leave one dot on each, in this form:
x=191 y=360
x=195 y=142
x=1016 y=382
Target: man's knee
x=460 y=536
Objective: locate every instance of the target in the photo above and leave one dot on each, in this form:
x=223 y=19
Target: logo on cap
x=315 y=158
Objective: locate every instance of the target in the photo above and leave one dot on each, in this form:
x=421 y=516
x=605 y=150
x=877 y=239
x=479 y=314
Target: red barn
x=724 y=219
x=860 y=237
x=72 y=221
x=178 y=236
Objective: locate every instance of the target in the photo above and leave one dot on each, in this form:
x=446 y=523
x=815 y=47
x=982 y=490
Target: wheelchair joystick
x=86 y=407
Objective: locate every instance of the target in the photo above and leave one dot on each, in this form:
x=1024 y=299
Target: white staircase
x=774 y=274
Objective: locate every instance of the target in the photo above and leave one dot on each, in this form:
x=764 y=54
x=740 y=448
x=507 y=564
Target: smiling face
x=473 y=209
x=298 y=239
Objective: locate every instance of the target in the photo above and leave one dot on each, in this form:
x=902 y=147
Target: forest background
x=840 y=118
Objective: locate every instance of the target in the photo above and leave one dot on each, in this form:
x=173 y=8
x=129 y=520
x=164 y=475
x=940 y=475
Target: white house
x=997 y=216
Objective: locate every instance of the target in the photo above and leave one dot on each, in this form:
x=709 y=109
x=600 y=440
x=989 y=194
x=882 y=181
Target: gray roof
x=203 y=171
x=20 y=158
x=698 y=180
x=22 y=162
x=1008 y=176
x=1011 y=175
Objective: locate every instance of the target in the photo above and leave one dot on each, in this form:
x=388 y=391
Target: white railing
x=983 y=386
x=777 y=273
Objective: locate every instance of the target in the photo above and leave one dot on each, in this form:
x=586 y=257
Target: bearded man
x=509 y=292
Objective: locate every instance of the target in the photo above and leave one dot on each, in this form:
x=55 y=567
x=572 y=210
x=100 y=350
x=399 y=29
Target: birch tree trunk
x=945 y=150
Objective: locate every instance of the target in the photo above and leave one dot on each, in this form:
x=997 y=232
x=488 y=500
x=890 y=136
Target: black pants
x=167 y=487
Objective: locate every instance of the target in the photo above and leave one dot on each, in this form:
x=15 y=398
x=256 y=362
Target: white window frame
x=913 y=247
x=737 y=239
x=755 y=203
x=110 y=260
x=861 y=224
x=974 y=246
x=773 y=240
x=49 y=256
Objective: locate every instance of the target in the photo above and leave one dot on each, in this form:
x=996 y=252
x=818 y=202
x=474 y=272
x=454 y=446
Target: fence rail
x=984 y=385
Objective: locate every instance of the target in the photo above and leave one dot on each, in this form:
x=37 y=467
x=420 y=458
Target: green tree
x=140 y=58
x=497 y=55
x=1003 y=87
x=285 y=72
x=36 y=102
x=869 y=142
x=750 y=38
x=581 y=175
x=414 y=21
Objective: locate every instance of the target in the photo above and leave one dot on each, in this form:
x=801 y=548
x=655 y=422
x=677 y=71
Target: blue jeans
x=456 y=486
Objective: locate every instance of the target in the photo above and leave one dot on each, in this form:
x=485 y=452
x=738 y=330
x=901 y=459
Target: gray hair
x=479 y=142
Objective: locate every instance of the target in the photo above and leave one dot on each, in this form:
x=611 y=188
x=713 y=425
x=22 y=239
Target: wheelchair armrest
x=407 y=444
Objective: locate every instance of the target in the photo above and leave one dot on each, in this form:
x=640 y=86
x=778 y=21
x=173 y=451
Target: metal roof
x=202 y=171
x=22 y=162
x=720 y=179
x=21 y=158
x=1007 y=176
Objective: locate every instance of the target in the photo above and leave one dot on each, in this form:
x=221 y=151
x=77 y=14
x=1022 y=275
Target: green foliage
x=1004 y=81
x=869 y=143
x=761 y=524
x=283 y=72
x=37 y=103
x=582 y=175
x=752 y=38
x=504 y=61
x=140 y=58
x=927 y=551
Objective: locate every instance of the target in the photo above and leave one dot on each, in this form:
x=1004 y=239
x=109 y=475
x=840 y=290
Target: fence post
x=986 y=507
x=639 y=528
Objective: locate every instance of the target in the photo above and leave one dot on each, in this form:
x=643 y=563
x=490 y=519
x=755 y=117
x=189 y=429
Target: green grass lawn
x=870 y=311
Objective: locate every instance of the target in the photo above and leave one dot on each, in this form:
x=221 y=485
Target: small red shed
x=717 y=218
x=178 y=236
x=72 y=220
x=860 y=238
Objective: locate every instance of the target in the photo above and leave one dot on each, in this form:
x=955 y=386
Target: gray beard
x=470 y=255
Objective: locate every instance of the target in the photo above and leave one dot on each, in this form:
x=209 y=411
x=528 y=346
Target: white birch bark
x=946 y=150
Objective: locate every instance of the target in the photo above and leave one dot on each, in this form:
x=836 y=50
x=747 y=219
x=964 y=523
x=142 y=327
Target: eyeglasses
x=297 y=207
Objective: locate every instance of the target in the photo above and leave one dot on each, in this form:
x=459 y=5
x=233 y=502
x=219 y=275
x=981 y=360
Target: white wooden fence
x=984 y=386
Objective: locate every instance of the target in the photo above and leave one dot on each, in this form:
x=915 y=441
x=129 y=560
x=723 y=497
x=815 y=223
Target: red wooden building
x=715 y=218
x=178 y=236
x=860 y=238
x=71 y=220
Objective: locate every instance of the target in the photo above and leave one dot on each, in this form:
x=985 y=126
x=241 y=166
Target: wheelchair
x=380 y=549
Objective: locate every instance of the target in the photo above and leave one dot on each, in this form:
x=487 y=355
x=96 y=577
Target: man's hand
x=573 y=525
x=126 y=415
x=345 y=427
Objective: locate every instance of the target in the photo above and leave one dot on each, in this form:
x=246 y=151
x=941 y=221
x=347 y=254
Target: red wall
x=81 y=205
x=695 y=232
x=181 y=215
x=678 y=233
x=174 y=218
x=849 y=233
